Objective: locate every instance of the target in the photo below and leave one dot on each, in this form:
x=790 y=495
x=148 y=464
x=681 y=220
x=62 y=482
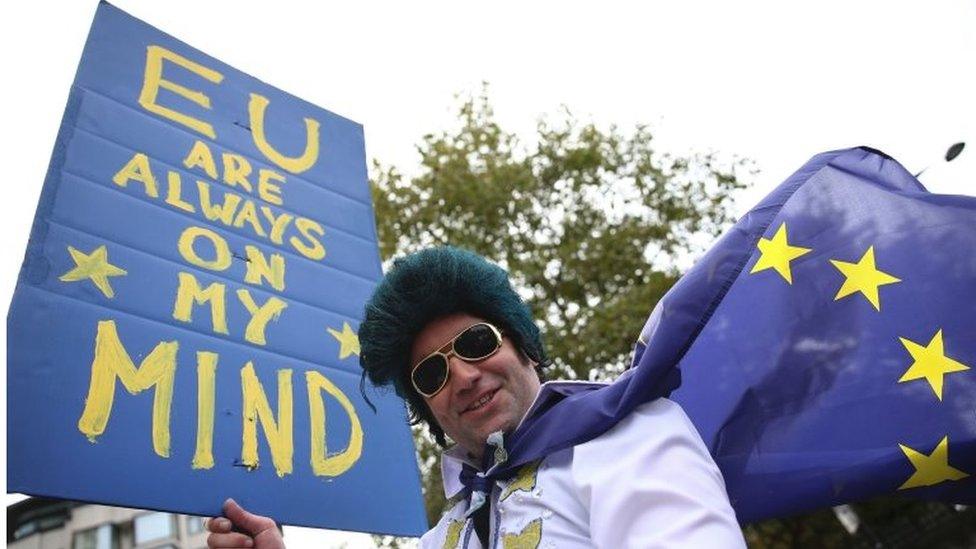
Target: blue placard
x=184 y=325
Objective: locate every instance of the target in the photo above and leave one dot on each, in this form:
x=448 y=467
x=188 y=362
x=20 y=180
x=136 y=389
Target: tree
x=590 y=223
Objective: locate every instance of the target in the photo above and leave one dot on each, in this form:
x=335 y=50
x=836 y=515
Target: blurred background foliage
x=588 y=221
x=594 y=225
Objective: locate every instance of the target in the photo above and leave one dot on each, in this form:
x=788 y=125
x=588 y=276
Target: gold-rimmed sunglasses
x=476 y=342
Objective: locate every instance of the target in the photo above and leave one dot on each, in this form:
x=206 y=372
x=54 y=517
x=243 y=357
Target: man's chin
x=504 y=426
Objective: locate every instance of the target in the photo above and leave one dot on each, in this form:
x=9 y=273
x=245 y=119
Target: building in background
x=41 y=523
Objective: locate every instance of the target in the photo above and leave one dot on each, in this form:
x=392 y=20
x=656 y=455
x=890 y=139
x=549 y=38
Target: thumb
x=249 y=522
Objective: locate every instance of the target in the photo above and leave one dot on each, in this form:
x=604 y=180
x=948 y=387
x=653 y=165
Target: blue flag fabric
x=827 y=343
x=824 y=347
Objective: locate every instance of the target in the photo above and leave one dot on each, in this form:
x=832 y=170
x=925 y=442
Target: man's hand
x=252 y=531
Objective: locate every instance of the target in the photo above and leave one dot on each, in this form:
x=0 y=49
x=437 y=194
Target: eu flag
x=827 y=343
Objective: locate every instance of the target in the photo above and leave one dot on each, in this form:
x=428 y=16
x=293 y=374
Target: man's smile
x=480 y=402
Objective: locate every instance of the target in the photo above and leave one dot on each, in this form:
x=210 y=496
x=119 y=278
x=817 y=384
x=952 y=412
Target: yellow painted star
x=94 y=266
x=348 y=341
x=454 y=529
x=528 y=538
x=930 y=469
x=863 y=277
x=776 y=253
x=930 y=363
x=524 y=480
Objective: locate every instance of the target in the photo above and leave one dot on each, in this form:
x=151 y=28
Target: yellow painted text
x=324 y=464
x=278 y=432
x=260 y=315
x=137 y=169
x=190 y=292
x=260 y=269
x=153 y=81
x=256 y=108
x=206 y=395
x=112 y=362
x=221 y=251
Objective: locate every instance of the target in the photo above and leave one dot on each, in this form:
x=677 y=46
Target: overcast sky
x=773 y=81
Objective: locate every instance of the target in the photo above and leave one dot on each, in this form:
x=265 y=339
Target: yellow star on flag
x=94 y=266
x=930 y=363
x=930 y=469
x=863 y=277
x=348 y=341
x=776 y=253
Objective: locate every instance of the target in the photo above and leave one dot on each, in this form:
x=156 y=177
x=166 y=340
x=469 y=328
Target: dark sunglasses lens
x=476 y=342
x=430 y=374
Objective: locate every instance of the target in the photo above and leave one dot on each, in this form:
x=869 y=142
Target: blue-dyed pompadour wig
x=427 y=285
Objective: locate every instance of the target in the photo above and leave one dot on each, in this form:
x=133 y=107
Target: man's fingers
x=248 y=522
x=218 y=525
x=229 y=540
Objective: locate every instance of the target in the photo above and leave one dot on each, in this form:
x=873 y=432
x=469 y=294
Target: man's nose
x=464 y=374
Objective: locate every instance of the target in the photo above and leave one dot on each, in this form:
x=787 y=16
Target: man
x=448 y=332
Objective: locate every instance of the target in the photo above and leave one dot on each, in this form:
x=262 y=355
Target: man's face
x=506 y=379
